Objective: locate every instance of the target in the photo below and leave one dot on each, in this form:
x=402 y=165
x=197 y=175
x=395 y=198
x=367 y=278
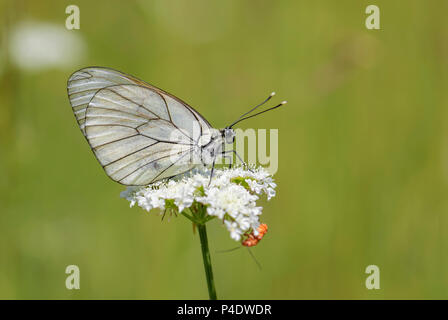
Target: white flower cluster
x=230 y=196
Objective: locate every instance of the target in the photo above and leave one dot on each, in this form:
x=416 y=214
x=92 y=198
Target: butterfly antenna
x=253 y=115
x=258 y=105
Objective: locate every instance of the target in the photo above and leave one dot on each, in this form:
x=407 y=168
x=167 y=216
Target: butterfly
x=141 y=134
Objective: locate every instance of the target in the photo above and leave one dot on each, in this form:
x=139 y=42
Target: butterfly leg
x=211 y=173
x=228 y=158
x=239 y=158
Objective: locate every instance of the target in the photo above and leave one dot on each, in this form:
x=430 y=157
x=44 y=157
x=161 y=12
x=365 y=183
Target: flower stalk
x=199 y=218
x=207 y=261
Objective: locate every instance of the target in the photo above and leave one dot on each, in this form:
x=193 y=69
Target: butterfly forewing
x=139 y=133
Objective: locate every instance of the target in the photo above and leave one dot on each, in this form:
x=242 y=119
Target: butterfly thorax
x=214 y=147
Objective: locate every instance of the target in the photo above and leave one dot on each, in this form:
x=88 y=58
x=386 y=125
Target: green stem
x=207 y=261
x=188 y=216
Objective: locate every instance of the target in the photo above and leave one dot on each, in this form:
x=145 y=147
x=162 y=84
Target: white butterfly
x=139 y=133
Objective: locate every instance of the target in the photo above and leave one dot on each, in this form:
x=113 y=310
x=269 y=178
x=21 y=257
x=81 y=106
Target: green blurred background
x=363 y=149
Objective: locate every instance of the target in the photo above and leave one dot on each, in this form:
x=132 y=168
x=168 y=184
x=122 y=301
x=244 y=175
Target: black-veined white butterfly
x=139 y=133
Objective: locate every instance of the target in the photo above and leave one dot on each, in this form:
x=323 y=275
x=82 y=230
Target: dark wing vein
x=167 y=156
x=125 y=112
x=165 y=141
x=105 y=144
x=110 y=125
x=166 y=106
x=169 y=166
x=130 y=154
x=130 y=100
x=175 y=126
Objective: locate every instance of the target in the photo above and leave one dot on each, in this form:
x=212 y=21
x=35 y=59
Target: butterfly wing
x=139 y=133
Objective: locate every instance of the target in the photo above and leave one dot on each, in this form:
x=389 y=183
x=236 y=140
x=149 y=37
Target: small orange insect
x=252 y=240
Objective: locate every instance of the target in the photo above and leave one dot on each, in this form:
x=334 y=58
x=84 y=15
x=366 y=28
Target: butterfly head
x=228 y=134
